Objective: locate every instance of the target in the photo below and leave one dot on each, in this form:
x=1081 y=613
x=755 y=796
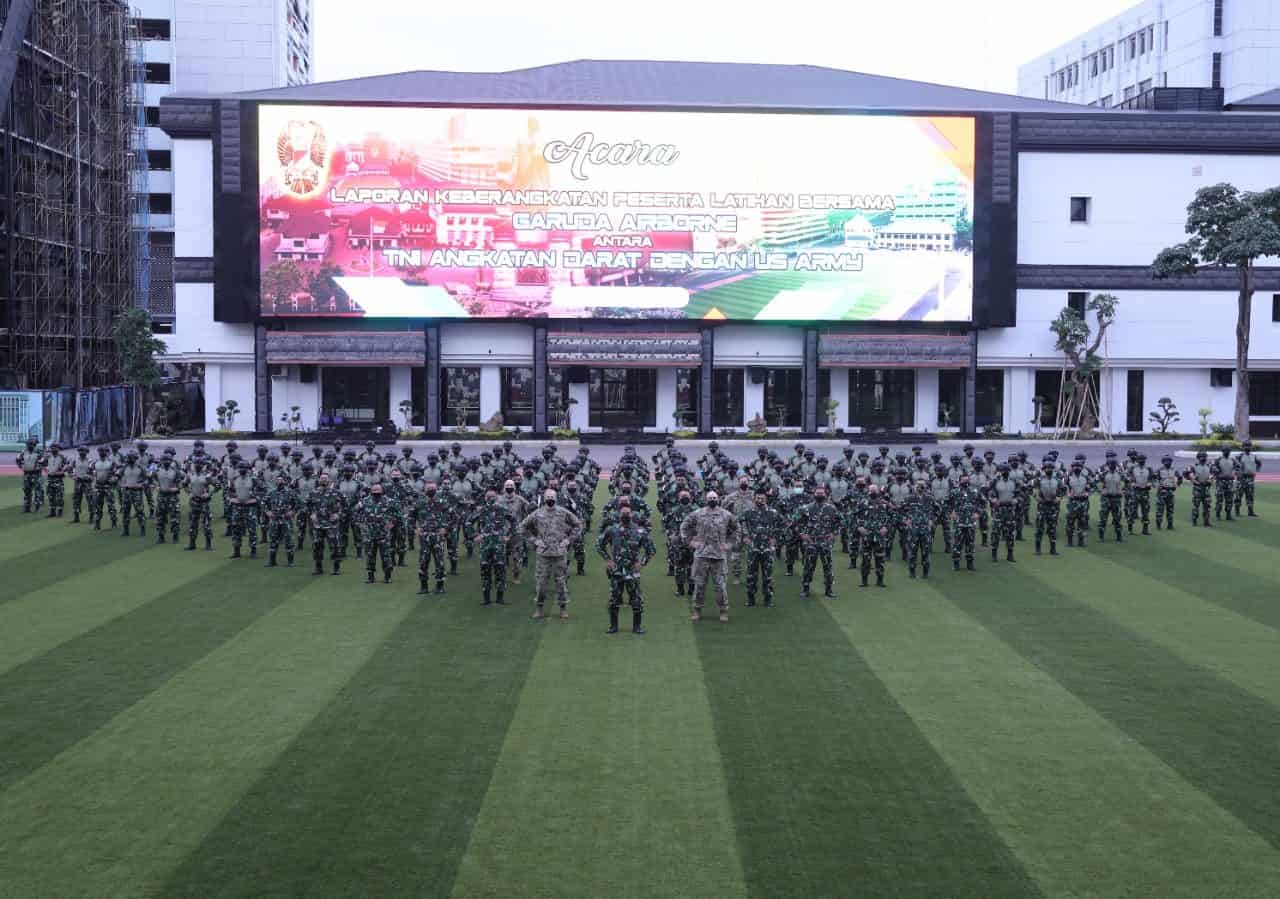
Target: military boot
x=319 y=568
x=911 y=571
x=440 y=587
x=208 y=543
x=864 y=580
x=751 y=599
x=1146 y=530
x=1053 y=547
x=636 y=626
x=422 y=586
x=924 y=570
x=400 y=561
x=582 y=568
x=995 y=552
x=829 y=593
x=968 y=564
x=804 y=591
x=500 y=598
x=955 y=564
x=1037 y=547
x=289 y=559
x=271 y=560
x=235 y=552
x=613 y=621
x=538 y=614
x=253 y=552
x=453 y=567
x=386 y=577
x=1008 y=555
x=337 y=567
x=159 y=537
x=368 y=576
x=879 y=580
x=190 y=547
x=486 y=601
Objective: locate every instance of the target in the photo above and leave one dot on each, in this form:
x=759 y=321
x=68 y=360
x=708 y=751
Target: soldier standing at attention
x=679 y=556
x=1049 y=490
x=738 y=502
x=1201 y=476
x=573 y=500
x=1018 y=475
x=431 y=517
x=200 y=484
x=490 y=526
x=168 y=480
x=917 y=525
x=148 y=463
x=758 y=528
x=1247 y=467
x=899 y=494
x=133 y=480
x=348 y=490
x=965 y=512
x=710 y=531
x=245 y=491
x=56 y=467
x=819 y=525
x=553 y=531
x=1004 y=500
x=281 y=507
x=306 y=487
x=518 y=508
x=327 y=510
x=875 y=532
x=940 y=487
x=31 y=461
x=377 y=520
x=1167 y=482
x=82 y=475
x=1111 y=486
x=1141 y=477
x=1224 y=474
x=626 y=548
x=104 y=491
x=1079 y=487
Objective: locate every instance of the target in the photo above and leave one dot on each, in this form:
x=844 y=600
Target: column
x=262 y=421
x=490 y=391
x=968 y=426
x=926 y=400
x=431 y=374
x=665 y=401
x=705 y=381
x=840 y=393
x=753 y=395
x=212 y=394
x=400 y=387
x=809 y=383
x=540 y=379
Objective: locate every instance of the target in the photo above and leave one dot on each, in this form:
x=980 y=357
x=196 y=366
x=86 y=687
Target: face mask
x=549 y=502
x=684 y=500
x=431 y=492
x=626 y=491
x=626 y=519
x=798 y=490
x=511 y=489
x=819 y=499
x=713 y=503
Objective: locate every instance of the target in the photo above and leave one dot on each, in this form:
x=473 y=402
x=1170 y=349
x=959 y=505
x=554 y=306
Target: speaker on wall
x=757 y=374
x=307 y=374
x=579 y=374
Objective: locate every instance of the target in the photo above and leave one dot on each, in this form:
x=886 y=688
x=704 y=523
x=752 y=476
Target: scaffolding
x=68 y=153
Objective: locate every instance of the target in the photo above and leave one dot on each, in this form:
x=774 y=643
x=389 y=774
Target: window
x=1217 y=70
x=1264 y=393
x=782 y=397
x=726 y=398
x=160 y=204
x=558 y=390
x=152 y=29
x=156 y=73
x=160 y=160
x=687 y=391
x=1080 y=209
x=1105 y=102
x=1144 y=86
x=1275 y=307
x=1093 y=66
x=1151 y=38
x=1217 y=18
x=1077 y=300
x=882 y=398
x=951 y=397
x=988 y=397
x=622 y=398
x=460 y=390
x=517 y=398
x=1220 y=377
x=1166 y=37
x=1134 y=398
x=151 y=114
x=1142 y=43
x=1130 y=92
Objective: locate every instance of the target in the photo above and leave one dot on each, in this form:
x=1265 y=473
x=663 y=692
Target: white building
x=206 y=46
x=1070 y=200
x=1229 y=44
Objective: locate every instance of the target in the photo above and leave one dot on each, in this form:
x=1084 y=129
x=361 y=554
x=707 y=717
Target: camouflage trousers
x=325 y=537
x=103 y=498
x=622 y=582
x=791 y=553
x=962 y=535
x=1047 y=515
x=1008 y=522
x=1164 y=506
x=431 y=549
x=378 y=546
x=1140 y=507
x=682 y=562
x=493 y=568
x=56 y=488
x=873 y=553
x=517 y=553
x=1109 y=506
x=1199 y=501
x=133 y=503
x=1129 y=510
x=919 y=548
x=1223 y=495
x=552 y=573
x=349 y=533
x=942 y=519
x=300 y=526
x=710 y=570
x=82 y=494
x=32 y=491
x=1077 y=517
x=813 y=554
x=169 y=515
x=280 y=530
x=244 y=523
x=199 y=518
x=1244 y=492
x=759 y=571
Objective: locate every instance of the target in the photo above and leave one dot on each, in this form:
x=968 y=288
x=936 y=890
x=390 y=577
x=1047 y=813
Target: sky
x=977 y=45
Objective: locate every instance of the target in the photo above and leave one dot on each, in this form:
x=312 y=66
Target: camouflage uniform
x=104 y=490
x=1224 y=473
x=966 y=506
x=738 y=502
x=1079 y=486
x=168 y=479
x=82 y=475
x=1049 y=490
x=348 y=490
x=246 y=492
x=280 y=508
x=899 y=494
x=1141 y=478
x=876 y=532
x=493 y=524
x=1111 y=485
x=710 y=532
x=819 y=525
x=376 y=518
x=200 y=485
x=56 y=468
x=758 y=529
x=918 y=523
x=1247 y=467
x=517 y=551
x=1167 y=483
x=575 y=502
x=327 y=511
x=30 y=461
x=629 y=548
x=133 y=480
x=431 y=516
x=1201 y=476
x=679 y=555
x=1004 y=498
x=553 y=531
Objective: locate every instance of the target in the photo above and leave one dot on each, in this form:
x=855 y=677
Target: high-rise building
x=69 y=92
x=1227 y=45
x=206 y=46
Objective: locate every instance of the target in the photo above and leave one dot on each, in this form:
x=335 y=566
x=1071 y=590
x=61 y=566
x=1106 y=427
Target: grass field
x=178 y=724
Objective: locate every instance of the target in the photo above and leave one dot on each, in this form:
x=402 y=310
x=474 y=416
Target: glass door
x=623 y=398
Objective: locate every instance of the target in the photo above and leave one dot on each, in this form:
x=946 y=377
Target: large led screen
x=518 y=213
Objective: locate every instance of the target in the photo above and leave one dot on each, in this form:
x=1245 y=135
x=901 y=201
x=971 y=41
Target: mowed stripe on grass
x=1071 y=793
x=835 y=790
x=378 y=795
x=115 y=814
x=610 y=780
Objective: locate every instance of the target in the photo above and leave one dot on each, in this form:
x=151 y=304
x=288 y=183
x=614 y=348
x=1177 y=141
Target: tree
x=1078 y=342
x=137 y=348
x=323 y=288
x=281 y=280
x=1229 y=229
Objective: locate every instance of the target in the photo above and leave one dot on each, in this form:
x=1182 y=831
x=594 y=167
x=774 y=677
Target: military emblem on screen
x=303 y=150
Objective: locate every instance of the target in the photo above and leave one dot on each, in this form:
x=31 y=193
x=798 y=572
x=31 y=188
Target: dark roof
x=644 y=83
x=1265 y=100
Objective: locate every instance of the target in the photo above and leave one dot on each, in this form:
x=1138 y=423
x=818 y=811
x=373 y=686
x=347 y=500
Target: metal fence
x=70 y=417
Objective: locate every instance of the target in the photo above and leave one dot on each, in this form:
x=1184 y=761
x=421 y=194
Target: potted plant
x=830 y=407
x=406 y=412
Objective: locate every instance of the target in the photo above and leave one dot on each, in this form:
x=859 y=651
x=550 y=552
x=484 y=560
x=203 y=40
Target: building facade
x=1070 y=201
x=205 y=46
x=1231 y=45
